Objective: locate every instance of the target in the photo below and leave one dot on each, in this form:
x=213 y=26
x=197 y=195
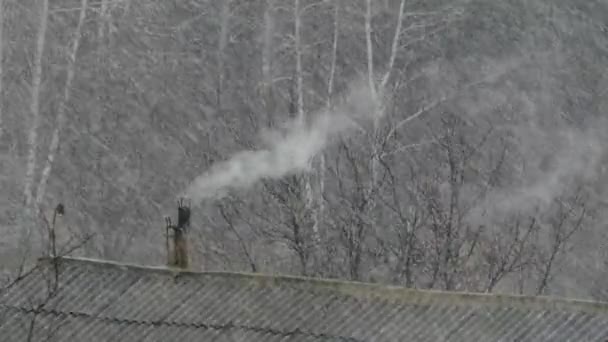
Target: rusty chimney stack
x=177 y=237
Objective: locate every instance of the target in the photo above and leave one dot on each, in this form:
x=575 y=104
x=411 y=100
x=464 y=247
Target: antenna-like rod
x=167 y=245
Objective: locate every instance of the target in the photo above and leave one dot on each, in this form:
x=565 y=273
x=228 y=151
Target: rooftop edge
x=363 y=290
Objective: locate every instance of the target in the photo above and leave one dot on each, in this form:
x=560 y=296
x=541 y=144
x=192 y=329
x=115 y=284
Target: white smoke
x=288 y=151
x=575 y=158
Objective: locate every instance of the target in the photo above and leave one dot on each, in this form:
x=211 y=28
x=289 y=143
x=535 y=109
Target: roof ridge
x=364 y=290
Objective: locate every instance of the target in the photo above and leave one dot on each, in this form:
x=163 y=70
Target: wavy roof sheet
x=105 y=301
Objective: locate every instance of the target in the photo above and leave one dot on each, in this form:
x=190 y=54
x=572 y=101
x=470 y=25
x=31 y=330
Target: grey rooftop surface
x=106 y=301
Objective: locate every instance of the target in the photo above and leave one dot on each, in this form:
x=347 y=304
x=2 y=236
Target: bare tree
x=404 y=241
x=49 y=269
x=229 y=218
x=351 y=222
x=507 y=250
x=293 y=226
x=52 y=272
x=566 y=220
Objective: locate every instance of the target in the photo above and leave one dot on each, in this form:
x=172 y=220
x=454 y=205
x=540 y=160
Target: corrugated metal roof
x=105 y=301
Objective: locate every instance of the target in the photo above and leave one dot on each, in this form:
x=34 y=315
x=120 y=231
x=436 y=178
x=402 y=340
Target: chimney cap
x=60 y=209
x=183 y=214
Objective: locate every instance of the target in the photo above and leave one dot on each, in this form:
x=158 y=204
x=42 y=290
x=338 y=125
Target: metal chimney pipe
x=178 y=234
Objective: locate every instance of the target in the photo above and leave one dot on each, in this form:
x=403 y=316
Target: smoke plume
x=288 y=150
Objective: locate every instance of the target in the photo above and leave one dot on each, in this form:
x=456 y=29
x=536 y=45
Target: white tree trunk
x=330 y=92
x=378 y=92
x=223 y=41
x=267 y=60
x=374 y=95
x=60 y=119
x=299 y=72
x=334 y=55
x=394 y=48
x=378 y=97
x=103 y=20
x=301 y=117
x=34 y=106
x=1 y=69
x=268 y=34
x=370 y=49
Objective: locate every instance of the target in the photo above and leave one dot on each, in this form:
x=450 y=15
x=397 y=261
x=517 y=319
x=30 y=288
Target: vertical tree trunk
x=102 y=24
x=301 y=116
x=374 y=95
x=60 y=119
x=394 y=48
x=34 y=106
x=373 y=162
x=330 y=92
x=223 y=40
x=370 y=49
x=267 y=93
x=299 y=75
x=334 y=55
x=378 y=92
x=1 y=69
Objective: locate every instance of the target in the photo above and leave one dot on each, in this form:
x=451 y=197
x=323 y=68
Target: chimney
x=177 y=237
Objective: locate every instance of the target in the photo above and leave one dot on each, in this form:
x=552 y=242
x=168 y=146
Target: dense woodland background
x=477 y=162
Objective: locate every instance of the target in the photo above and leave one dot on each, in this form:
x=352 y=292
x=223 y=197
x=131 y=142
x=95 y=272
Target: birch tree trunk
x=223 y=40
x=299 y=75
x=334 y=55
x=301 y=116
x=34 y=106
x=330 y=92
x=378 y=91
x=60 y=119
x=1 y=69
x=376 y=115
x=370 y=50
x=394 y=49
x=267 y=92
x=103 y=20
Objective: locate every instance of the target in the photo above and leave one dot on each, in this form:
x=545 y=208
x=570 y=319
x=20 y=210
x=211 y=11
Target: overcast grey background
x=475 y=160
